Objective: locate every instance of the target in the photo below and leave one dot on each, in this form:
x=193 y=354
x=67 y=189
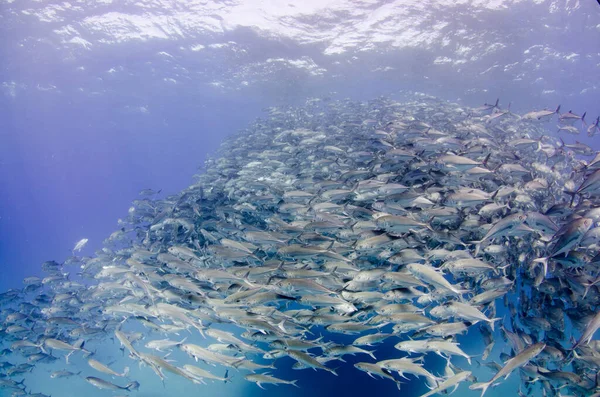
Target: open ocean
x=100 y=100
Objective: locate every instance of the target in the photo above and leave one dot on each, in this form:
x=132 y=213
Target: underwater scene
x=300 y=198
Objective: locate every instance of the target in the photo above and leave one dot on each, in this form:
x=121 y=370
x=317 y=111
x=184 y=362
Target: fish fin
x=293 y=382
x=281 y=327
x=453 y=390
x=492 y=321
x=544 y=262
x=68 y=355
x=482 y=386
x=236 y=364
x=486 y=159
x=477 y=247
x=572 y=194
x=132 y=385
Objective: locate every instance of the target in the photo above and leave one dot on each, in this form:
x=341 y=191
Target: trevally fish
x=402 y=223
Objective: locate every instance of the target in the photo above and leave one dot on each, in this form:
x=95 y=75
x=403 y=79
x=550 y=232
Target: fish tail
x=503 y=268
x=486 y=160
x=572 y=194
x=131 y=386
x=281 y=326
x=79 y=344
x=544 y=262
x=492 y=321
x=483 y=386
x=592 y=131
x=570 y=357
x=293 y=382
x=477 y=247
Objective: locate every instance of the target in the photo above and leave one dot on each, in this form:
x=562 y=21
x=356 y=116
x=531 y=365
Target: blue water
x=85 y=127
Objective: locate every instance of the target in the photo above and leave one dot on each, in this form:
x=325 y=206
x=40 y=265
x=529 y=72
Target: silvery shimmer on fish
x=390 y=222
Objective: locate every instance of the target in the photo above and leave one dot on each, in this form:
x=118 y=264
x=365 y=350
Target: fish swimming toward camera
x=399 y=225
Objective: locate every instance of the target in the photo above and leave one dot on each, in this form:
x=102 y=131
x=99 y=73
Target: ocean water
x=101 y=99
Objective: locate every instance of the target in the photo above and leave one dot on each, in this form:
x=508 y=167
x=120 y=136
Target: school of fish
x=414 y=221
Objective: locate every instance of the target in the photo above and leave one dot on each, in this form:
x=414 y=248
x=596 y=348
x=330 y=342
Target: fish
x=98 y=366
x=374 y=370
x=103 y=384
x=56 y=344
x=515 y=362
x=203 y=374
x=485 y=108
x=589 y=331
x=405 y=365
x=63 y=374
x=452 y=381
x=594 y=128
x=266 y=378
x=308 y=361
x=570 y=117
x=541 y=114
x=404 y=223
x=80 y=244
x=164 y=344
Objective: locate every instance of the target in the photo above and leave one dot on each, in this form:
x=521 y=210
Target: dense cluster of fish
x=415 y=222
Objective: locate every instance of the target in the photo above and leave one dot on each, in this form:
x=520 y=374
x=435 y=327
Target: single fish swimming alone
x=80 y=244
